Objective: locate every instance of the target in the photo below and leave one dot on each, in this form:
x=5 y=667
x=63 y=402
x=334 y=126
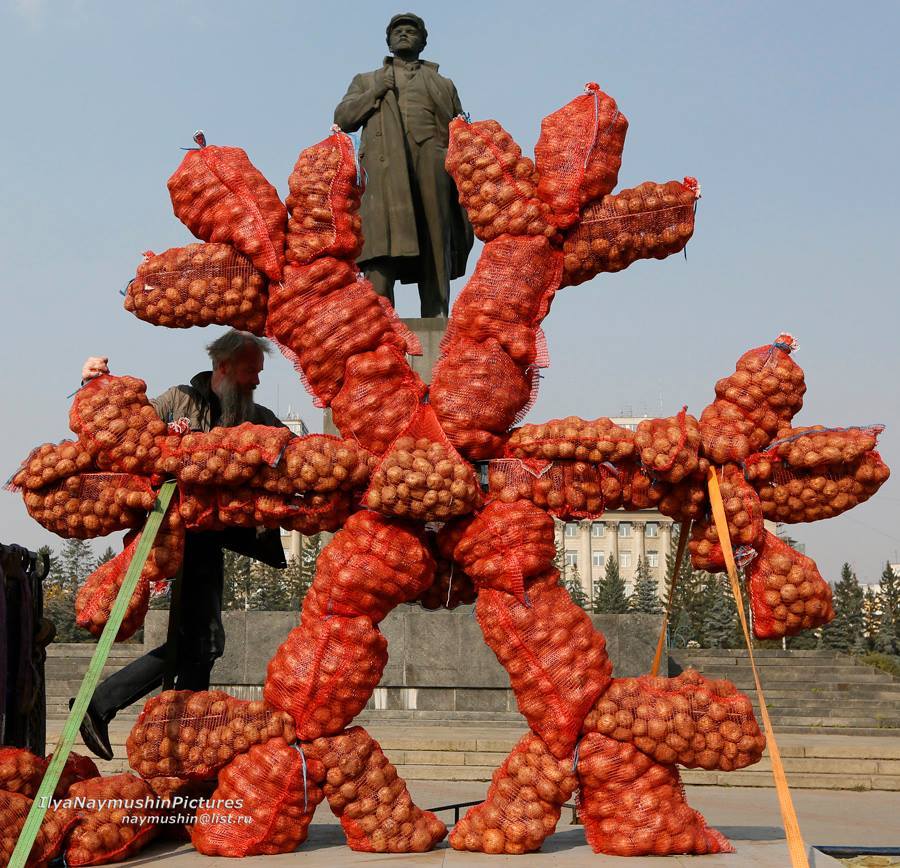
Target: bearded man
x=222 y=397
x=414 y=229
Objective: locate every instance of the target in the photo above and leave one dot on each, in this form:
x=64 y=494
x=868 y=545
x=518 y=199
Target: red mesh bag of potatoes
x=191 y=735
x=332 y=329
x=522 y=806
x=507 y=297
x=787 y=592
x=669 y=447
x=506 y=544
x=556 y=660
x=631 y=805
x=816 y=445
x=198 y=508
x=370 y=566
x=378 y=398
x=277 y=787
x=77 y=768
x=727 y=434
x=512 y=479
x=651 y=221
x=322 y=463
x=222 y=197
x=451 y=586
x=744 y=514
x=250 y=507
x=497 y=185
x=321 y=512
x=790 y=496
x=422 y=476
x=478 y=392
x=110 y=831
x=372 y=802
x=596 y=440
x=579 y=152
x=324 y=673
x=324 y=202
x=21 y=771
x=117 y=424
x=49 y=463
x=226 y=456
x=688 y=500
x=639 y=490
x=199 y=285
x=14 y=808
x=690 y=720
x=91 y=504
x=575 y=489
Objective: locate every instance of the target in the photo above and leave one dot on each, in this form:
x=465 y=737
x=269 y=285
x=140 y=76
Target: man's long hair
x=231 y=344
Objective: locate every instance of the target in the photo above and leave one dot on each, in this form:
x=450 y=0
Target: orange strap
x=796 y=847
x=683 y=534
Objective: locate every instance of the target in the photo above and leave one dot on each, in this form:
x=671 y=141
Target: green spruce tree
x=239 y=581
x=106 y=556
x=871 y=617
x=845 y=632
x=68 y=571
x=887 y=637
x=572 y=583
x=644 y=597
x=609 y=591
x=720 y=617
x=686 y=615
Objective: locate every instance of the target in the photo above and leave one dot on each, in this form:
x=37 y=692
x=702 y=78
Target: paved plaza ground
x=749 y=816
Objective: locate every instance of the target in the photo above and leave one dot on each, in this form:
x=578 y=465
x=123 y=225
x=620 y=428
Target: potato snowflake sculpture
x=408 y=459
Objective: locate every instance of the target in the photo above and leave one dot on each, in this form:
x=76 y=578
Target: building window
x=624 y=528
x=653 y=559
x=571 y=530
x=571 y=559
x=598 y=528
x=598 y=559
x=624 y=559
x=652 y=529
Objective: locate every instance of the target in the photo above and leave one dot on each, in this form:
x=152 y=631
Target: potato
x=669 y=447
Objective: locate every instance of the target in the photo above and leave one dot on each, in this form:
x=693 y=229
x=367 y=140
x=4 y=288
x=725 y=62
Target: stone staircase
x=810 y=692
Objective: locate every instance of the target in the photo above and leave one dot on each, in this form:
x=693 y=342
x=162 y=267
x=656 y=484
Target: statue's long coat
x=388 y=218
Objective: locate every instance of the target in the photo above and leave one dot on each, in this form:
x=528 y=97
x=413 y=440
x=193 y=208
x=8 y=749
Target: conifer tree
x=68 y=570
x=644 y=597
x=871 y=617
x=845 y=632
x=887 y=637
x=239 y=581
x=572 y=583
x=106 y=555
x=609 y=591
x=719 y=613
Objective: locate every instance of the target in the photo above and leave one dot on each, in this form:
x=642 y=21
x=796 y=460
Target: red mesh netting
x=816 y=445
x=14 y=808
x=422 y=476
x=276 y=787
x=198 y=508
x=21 y=771
x=478 y=392
x=789 y=495
x=686 y=500
x=324 y=673
x=117 y=424
x=248 y=507
x=190 y=735
x=199 y=285
x=633 y=806
x=77 y=768
x=787 y=593
x=51 y=462
x=451 y=586
x=689 y=719
x=180 y=800
x=556 y=660
x=322 y=463
x=95 y=598
x=579 y=152
x=637 y=489
x=752 y=404
x=110 y=832
x=324 y=202
x=506 y=544
x=522 y=806
x=322 y=512
x=370 y=566
x=221 y=196
x=507 y=297
x=326 y=330
x=379 y=396
x=370 y=799
x=669 y=447
x=92 y=504
x=744 y=514
x=224 y=456
x=496 y=184
x=651 y=221
x=595 y=440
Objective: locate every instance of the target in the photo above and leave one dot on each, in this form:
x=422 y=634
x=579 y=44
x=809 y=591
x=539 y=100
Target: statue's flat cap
x=410 y=17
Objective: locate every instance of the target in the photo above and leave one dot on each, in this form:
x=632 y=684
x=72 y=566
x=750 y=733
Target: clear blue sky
x=787 y=113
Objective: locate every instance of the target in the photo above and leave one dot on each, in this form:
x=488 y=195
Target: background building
x=291 y=540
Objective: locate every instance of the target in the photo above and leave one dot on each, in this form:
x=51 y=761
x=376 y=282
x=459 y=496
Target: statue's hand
x=385 y=80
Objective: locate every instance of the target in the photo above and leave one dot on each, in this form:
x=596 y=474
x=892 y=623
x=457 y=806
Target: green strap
x=91 y=679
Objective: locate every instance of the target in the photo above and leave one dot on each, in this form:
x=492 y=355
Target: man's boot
x=95 y=732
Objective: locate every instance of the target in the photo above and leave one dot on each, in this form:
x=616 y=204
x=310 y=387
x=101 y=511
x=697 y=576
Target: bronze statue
x=414 y=227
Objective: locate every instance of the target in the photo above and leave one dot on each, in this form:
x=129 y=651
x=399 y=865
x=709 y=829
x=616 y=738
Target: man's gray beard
x=237 y=405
